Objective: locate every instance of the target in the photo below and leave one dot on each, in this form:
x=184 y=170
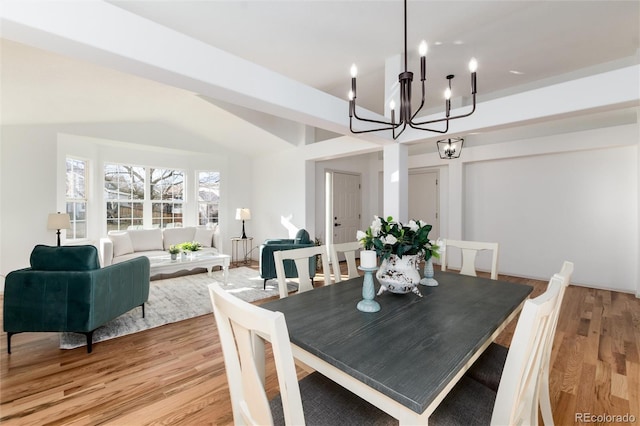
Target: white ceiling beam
x=102 y=33
x=617 y=89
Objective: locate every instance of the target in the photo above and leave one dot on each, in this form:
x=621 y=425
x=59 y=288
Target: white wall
x=578 y=206
x=279 y=206
x=28 y=193
x=32 y=177
x=567 y=196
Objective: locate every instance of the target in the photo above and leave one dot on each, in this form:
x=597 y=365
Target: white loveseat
x=123 y=245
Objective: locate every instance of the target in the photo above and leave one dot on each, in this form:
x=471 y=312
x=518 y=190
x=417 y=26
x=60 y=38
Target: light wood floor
x=175 y=374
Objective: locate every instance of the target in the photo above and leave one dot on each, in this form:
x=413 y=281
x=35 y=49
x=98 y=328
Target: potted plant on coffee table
x=173 y=251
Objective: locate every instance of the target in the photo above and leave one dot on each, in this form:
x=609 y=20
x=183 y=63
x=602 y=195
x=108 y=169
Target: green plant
x=174 y=249
x=190 y=246
x=387 y=237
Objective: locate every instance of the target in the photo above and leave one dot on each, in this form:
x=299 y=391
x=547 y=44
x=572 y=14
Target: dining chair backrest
x=349 y=250
x=545 y=398
x=301 y=258
x=518 y=392
x=239 y=324
x=469 y=251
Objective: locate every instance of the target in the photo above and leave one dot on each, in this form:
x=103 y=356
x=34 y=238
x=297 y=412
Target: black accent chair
x=268 y=265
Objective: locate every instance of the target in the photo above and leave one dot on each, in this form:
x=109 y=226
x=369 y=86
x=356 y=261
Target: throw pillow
x=121 y=243
x=146 y=239
x=203 y=236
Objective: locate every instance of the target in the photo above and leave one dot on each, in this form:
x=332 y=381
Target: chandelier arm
x=369 y=130
x=421 y=103
x=438 y=120
x=396 y=136
x=387 y=123
x=417 y=127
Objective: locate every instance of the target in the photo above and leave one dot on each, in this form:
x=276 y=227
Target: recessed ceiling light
x=438 y=43
x=516 y=72
x=458 y=42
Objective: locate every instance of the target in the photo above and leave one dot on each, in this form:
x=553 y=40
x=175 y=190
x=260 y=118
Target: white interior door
x=346 y=206
x=424 y=199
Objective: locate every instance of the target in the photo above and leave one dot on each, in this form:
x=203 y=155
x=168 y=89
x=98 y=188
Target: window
x=167 y=196
x=208 y=197
x=76 y=198
x=124 y=188
x=135 y=193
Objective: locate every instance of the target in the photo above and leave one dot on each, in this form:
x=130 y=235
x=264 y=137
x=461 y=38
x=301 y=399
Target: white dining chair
x=516 y=400
x=314 y=400
x=301 y=258
x=349 y=250
x=489 y=367
x=469 y=251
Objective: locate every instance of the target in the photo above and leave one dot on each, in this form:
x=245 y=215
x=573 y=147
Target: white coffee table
x=164 y=264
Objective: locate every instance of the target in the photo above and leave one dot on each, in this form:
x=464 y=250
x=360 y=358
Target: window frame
x=74 y=201
x=207 y=204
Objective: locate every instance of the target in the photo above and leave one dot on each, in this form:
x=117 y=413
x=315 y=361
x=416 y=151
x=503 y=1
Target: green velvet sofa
x=65 y=290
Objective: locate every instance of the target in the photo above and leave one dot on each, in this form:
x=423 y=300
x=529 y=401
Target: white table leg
x=225 y=273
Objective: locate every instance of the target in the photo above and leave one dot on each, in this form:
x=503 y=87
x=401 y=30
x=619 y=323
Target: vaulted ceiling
x=519 y=45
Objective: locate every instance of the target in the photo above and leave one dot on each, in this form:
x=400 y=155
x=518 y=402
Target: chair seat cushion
x=488 y=368
x=324 y=402
x=469 y=403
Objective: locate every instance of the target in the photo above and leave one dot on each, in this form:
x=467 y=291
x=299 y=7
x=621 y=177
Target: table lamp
x=58 y=221
x=243 y=214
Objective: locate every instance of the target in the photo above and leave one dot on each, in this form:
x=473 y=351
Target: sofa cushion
x=149 y=254
x=173 y=236
x=121 y=243
x=67 y=258
x=146 y=239
x=204 y=236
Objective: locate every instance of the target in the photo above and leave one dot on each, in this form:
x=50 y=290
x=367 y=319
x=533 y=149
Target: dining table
x=405 y=358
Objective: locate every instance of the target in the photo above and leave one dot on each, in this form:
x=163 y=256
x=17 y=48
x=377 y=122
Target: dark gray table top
x=414 y=346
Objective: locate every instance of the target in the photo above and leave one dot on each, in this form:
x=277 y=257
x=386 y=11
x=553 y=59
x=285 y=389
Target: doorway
x=344 y=206
x=424 y=199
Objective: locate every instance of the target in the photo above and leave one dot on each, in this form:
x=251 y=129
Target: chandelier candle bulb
x=368 y=259
x=473 y=65
x=354 y=74
x=422 y=50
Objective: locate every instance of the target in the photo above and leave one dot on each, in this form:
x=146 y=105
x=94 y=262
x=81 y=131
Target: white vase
x=399 y=274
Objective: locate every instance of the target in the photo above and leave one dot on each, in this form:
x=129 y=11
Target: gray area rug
x=177 y=299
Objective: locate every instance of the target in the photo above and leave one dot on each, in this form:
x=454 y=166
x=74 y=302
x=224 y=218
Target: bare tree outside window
x=167 y=196
x=124 y=196
x=208 y=197
x=129 y=189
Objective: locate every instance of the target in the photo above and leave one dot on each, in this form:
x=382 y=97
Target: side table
x=245 y=245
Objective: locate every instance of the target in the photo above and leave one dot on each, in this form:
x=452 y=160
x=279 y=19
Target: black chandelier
x=405 y=78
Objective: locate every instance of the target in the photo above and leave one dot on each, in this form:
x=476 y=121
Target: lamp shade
x=58 y=221
x=243 y=214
